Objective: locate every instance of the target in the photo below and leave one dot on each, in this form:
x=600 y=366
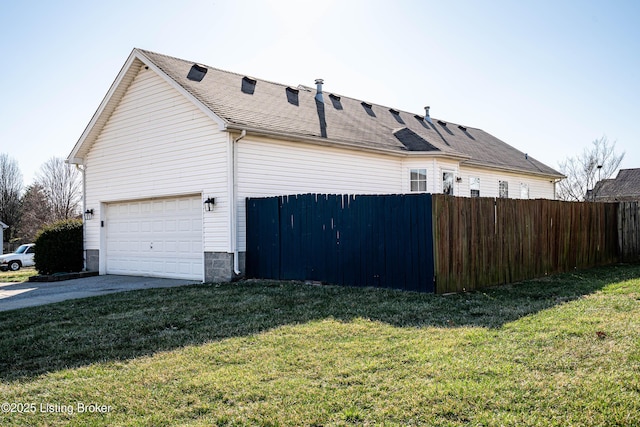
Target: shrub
x=59 y=247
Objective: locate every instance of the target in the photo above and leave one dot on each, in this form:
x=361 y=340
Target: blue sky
x=547 y=77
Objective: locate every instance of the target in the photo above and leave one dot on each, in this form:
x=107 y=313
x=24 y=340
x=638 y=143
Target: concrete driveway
x=29 y=294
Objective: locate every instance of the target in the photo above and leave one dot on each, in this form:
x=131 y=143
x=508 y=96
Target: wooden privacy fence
x=629 y=231
x=433 y=243
x=483 y=242
x=381 y=241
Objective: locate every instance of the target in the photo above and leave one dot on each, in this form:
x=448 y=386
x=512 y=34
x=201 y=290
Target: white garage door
x=159 y=238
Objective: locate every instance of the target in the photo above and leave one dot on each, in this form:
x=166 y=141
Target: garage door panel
x=161 y=238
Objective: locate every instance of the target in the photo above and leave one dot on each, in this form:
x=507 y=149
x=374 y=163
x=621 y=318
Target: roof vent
x=462 y=128
x=292 y=96
x=335 y=100
x=427 y=117
x=197 y=73
x=319 y=97
x=396 y=115
x=248 y=85
x=368 y=108
x=441 y=123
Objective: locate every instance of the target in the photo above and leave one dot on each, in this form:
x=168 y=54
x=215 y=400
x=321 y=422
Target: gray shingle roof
x=625 y=187
x=246 y=102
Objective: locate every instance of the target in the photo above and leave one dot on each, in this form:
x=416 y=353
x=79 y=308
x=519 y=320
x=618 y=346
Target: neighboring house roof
x=625 y=187
x=238 y=102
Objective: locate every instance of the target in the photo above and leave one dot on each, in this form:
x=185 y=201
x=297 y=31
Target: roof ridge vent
x=197 y=73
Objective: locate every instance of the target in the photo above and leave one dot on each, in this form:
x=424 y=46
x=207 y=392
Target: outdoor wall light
x=88 y=214
x=208 y=204
x=458 y=179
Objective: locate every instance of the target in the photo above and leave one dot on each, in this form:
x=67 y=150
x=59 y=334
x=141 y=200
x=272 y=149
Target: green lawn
x=562 y=351
x=21 y=275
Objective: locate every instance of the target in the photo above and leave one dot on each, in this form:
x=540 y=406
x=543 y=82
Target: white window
x=524 y=190
x=418 y=180
x=474 y=186
x=503 y=189
x=447 y=183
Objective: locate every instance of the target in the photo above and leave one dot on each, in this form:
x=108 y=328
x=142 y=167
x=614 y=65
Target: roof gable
x=116 y=92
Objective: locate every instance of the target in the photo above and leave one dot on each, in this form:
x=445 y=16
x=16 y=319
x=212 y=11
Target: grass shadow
x=122 y=326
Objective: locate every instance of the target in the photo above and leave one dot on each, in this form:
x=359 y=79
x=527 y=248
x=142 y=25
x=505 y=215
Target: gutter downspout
x=233 y=202
x=84 y=221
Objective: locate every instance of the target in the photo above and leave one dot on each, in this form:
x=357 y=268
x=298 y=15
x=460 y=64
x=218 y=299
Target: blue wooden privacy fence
x=381 y=241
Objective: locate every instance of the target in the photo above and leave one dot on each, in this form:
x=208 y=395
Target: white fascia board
x=318 y=141
x=517 y=171
x=222 y=124
x=75 y=160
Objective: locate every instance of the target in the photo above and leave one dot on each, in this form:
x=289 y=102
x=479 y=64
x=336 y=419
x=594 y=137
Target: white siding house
x=164 y=141
x=3 y=227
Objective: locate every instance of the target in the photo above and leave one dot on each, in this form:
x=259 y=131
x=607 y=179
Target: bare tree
x=62 y=186
x=599 y=161
x=36 y=213
x=10 y=188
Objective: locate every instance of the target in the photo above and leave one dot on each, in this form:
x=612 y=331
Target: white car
x=22 y=257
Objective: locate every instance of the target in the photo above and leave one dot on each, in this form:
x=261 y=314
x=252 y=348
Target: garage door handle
x=151 y=245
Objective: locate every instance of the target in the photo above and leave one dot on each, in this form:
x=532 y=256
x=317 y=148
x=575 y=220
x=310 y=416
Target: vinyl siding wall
x=157 y=144
x=539 y=188
x=272 y=168
x=268 y=167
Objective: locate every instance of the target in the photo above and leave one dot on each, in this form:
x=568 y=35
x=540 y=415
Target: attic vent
x=292 y=96
x=196 y=73
x=368 y=108
x=421 y=120
x=335 y=100
x=396 y=115
x=462 y=128
x=248 y=85
x=441 y=123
